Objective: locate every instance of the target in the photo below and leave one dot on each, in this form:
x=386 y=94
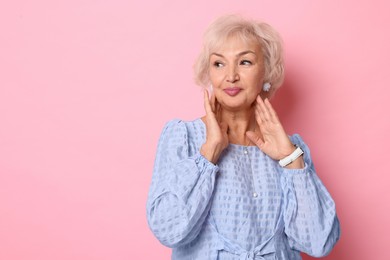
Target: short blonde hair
x=234 y=25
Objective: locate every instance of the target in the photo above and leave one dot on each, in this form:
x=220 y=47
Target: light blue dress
x=245 y=207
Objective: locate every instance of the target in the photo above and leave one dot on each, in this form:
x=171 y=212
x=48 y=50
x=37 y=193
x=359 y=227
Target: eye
x=218 y=64
x=245 y=62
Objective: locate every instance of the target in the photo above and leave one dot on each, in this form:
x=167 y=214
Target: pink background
x=86 y=87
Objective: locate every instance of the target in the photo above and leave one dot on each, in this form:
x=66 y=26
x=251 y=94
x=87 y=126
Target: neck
x=239 y=122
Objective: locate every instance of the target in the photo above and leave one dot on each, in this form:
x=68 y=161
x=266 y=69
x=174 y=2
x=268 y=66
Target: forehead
x=235 y=44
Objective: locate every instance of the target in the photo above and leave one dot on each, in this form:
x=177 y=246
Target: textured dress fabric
x=244 y=207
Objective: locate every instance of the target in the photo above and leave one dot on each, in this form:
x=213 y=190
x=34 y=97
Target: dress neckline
x=230 y=144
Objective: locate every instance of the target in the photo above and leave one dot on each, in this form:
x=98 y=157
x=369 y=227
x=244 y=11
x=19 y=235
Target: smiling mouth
x=232 y=91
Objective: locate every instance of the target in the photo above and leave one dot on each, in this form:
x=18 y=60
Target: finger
x=260 y=113
x=255 y=138
x=272 y=112
x=219 y=111
x=212 y=102
x=207 y=105
x=258 y=118
x=263 y=109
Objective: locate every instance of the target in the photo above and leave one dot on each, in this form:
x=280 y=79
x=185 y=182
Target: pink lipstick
x=232 y=91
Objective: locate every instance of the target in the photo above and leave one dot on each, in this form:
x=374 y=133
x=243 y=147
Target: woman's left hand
x=273 y=140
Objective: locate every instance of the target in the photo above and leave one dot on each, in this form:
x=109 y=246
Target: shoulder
x=180 y=135
x=181 y=125
x=179 y=128
x=173 y=124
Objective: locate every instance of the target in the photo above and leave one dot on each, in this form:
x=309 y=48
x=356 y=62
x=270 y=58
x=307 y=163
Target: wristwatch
x=292 y=157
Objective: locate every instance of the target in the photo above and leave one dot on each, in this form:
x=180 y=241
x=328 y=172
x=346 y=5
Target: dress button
x=254 y=194
x=245 y=151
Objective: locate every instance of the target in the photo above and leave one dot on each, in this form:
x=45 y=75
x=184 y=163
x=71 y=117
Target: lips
x=232 y=91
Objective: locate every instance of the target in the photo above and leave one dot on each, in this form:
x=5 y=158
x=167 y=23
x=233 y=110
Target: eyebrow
x=239 y=54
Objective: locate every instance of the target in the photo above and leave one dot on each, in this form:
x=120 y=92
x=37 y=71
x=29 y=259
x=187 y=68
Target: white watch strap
x=292 y=157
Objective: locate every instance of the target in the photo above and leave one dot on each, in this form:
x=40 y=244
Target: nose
x=232 y=75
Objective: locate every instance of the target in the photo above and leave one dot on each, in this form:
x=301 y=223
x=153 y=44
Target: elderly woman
x=233 y=184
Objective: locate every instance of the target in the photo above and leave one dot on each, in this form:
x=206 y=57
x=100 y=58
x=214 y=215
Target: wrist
x=299 y=163
x=288 y=151
x=210 y=152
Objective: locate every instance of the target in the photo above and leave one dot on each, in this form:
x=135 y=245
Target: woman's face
x=236 y=73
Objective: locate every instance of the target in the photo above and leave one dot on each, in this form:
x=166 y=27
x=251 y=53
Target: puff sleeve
x=181 y=188
x=311 y=223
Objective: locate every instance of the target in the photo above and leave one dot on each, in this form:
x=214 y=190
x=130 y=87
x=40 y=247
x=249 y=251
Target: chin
x=236 y=106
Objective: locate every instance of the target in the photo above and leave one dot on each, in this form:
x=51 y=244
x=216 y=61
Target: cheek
x=254 y=78
x=258 y=78
x=256 y=83
x=215 y=78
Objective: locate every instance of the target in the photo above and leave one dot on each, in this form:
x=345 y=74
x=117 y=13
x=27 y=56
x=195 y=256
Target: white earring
x=267 y=86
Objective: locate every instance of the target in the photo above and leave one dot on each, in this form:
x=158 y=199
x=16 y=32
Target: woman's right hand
x=216 y=131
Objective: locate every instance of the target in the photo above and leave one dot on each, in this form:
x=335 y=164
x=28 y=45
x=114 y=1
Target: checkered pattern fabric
x=245 y=207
